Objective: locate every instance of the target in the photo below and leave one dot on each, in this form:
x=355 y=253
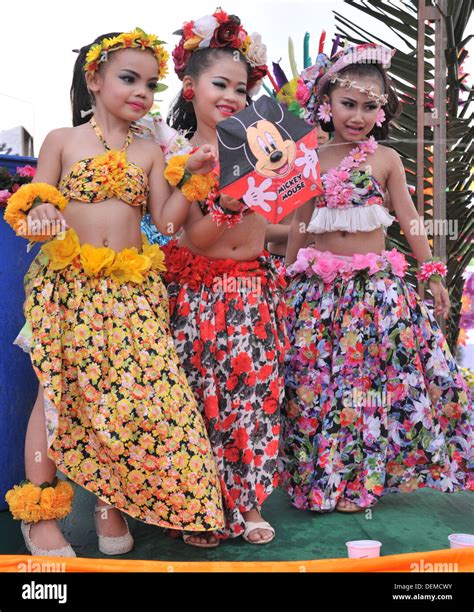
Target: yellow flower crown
x=137 y=39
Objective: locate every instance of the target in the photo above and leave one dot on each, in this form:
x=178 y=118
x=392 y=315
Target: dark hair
x=81 y=98
x=392 y=107
x=181 y=115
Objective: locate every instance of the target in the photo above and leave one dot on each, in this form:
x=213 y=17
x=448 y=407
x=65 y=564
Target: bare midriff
x=346 y=243
x=243 y=242
x=278 y=247
x=111 y=223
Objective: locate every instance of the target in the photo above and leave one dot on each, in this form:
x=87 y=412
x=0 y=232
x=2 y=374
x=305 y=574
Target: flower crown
x=314 y=78
x=137 y=39
x=221 y=30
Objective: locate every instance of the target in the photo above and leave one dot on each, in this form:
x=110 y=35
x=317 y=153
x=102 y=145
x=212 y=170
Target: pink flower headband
x=314 y=78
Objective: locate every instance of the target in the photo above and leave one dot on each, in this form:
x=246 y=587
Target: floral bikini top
x=110 y=175
x=353 y=200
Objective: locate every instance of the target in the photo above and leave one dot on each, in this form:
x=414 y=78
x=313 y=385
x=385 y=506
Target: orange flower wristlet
x=21 y=202
x=192 y=186
x=32 y=503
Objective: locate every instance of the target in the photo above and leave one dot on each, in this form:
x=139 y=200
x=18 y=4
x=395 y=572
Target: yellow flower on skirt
x=156 y=255
x=129 y=266
x=95 y=259
x=62 y=252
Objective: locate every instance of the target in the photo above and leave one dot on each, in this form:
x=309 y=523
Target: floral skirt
x=122 y=421
x=228 y=324
x=375 y=402
x=152 y=233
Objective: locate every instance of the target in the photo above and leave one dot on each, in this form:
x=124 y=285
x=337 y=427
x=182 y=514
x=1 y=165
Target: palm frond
x=401 y=20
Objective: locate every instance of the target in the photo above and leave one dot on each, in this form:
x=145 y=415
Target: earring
x=324 y=112
x=188 y=94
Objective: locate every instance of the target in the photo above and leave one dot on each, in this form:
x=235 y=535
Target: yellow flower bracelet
x=23 y=200
x=192 y=186
x=32 y=503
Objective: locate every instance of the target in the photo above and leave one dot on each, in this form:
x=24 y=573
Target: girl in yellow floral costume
x=121 y=420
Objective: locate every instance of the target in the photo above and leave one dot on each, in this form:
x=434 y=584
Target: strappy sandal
x=252 y=525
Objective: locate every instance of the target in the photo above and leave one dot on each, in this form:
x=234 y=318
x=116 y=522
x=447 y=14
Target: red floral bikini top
x=111 y=175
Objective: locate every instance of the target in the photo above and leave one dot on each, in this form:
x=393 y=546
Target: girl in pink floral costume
x=375 y=400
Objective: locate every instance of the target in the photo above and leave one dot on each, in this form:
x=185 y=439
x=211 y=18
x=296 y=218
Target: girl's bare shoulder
x=149 y=146
x=62 y=135
x=388 y=161
x=387 y=153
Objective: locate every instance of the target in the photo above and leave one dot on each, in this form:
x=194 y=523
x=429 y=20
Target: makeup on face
x=220 y=91
x=353 y=113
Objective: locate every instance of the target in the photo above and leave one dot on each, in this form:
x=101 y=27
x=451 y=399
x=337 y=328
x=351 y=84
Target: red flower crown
x=221 y=30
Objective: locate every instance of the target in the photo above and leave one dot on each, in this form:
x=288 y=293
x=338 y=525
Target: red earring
x=188 y=94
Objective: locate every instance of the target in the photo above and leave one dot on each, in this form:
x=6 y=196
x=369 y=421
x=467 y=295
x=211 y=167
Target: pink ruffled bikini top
x=349 y=193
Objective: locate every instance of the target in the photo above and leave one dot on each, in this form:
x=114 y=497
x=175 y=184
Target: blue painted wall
x=18 y=383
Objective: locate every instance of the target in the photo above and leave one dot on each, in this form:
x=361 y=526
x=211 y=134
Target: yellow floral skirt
x=122 y=421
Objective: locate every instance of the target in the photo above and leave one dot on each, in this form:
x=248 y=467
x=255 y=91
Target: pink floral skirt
x=375 y=401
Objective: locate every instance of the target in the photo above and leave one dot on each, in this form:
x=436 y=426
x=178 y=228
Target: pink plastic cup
x=363 y=549
x=461 y=540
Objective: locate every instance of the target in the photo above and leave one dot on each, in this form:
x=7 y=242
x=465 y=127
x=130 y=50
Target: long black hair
x=81 y=98
x=181 y=115
x=392 y=108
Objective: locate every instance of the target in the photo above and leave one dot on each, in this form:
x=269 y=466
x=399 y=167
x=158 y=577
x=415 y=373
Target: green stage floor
x=404 y=523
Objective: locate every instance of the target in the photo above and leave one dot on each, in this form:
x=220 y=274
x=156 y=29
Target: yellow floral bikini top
x=110 y=175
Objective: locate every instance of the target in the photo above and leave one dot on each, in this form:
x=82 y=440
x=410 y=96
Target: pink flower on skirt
x=327 y=267
x=397 y=261
x=368 y=261
x=304 y=260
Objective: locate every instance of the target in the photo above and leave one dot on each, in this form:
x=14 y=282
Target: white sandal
x=252 y=525
x=65 y=551
x=110 y=545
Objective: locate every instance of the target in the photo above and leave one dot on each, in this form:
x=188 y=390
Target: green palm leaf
x=401 y=20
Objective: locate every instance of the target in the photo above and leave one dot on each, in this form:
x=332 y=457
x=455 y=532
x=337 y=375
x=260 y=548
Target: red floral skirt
x=227 y=320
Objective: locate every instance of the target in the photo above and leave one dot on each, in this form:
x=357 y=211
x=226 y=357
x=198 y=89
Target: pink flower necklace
x=338 y=189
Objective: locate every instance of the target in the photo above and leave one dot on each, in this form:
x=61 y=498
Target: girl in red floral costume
x=224 y=290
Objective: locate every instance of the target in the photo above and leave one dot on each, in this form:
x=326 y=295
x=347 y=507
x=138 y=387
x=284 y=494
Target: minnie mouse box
x=268 y=159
